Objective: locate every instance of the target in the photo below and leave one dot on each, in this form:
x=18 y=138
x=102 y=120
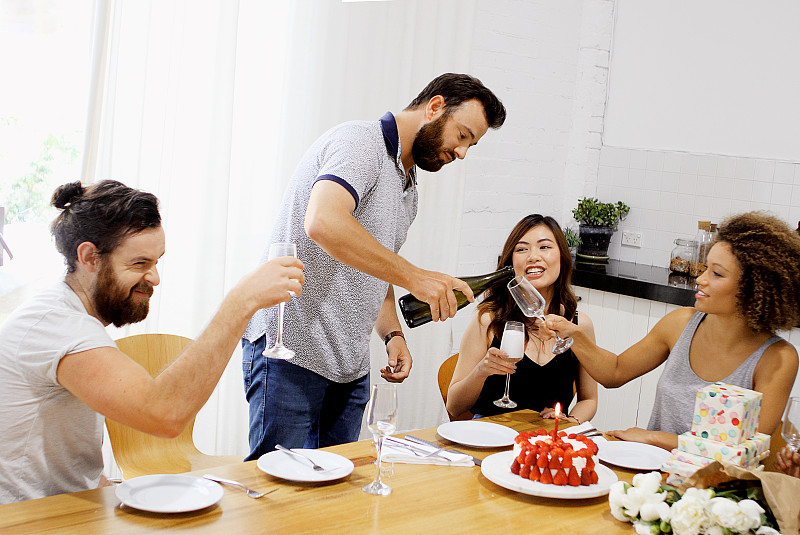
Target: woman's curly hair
x=768 y=252
x=497 y=299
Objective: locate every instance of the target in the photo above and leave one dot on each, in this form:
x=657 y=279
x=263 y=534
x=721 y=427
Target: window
x=45 y=67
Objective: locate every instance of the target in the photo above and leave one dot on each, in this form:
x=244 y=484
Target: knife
x=435 y=445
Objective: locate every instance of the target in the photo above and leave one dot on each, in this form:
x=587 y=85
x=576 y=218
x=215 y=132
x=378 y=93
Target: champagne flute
x=280 y=351
x=513 y=343
x=382 y=422
x=790 y=430
x=532 y=304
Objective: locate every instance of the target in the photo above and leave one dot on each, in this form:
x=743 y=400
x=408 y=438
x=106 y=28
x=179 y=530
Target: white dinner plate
x=634 y=455
x=168 y=493
x=286 y=466
x=477 y=434
x=497 y=469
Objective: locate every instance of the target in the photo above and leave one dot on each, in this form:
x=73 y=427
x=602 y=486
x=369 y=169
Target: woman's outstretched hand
x=557 y=325
x=788 y=462
x=550 y=413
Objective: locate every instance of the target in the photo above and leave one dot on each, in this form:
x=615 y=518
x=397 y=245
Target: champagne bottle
x=417 y=312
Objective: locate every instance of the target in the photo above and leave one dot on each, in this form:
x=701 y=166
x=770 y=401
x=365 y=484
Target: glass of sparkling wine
x=382 y=422
x=790 y=430
x=513 y=343
x=280 y=351
x=532 y=304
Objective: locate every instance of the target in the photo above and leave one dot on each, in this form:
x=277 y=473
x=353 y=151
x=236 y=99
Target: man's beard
x=114 y=303
x=427 y=147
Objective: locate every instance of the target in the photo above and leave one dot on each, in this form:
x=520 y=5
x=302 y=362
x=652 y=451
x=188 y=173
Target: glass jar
x=682 y=256
x=681 y=280
x=703 y=239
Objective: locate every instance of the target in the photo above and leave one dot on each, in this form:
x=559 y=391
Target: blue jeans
x=298 y=408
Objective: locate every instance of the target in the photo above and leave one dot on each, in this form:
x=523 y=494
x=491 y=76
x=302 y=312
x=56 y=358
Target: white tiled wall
x=668 y=192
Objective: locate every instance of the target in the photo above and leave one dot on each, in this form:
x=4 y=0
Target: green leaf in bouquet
x=672 y=493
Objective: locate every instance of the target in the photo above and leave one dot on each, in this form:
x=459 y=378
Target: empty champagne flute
x=280 y=351
x=790 y=430
x=513 y=343
x=532 y=304
x=382 y=422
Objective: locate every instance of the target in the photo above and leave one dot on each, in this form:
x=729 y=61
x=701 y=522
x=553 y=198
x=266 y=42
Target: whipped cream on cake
x=555 y=459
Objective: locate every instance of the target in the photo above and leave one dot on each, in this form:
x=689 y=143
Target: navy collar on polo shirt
x=389 y=127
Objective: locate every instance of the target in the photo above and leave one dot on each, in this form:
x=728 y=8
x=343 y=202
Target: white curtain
x=210 y=105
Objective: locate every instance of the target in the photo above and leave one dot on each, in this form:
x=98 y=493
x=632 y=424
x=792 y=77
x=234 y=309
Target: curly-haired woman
x=750 y=290
x=538 y=250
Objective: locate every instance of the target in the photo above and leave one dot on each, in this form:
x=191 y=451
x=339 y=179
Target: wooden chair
x=138 y=453
x=445 y=376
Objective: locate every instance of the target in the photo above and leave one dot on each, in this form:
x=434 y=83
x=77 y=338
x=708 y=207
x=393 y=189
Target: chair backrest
x=139 y=453
x=445 y=376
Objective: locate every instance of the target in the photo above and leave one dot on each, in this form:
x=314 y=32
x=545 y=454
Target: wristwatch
x=392 y=335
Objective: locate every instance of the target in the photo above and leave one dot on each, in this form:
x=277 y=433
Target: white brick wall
x=548 y=62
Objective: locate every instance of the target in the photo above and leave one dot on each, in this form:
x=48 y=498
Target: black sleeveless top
x=532 y=386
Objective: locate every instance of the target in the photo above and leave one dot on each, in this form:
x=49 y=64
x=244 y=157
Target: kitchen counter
x=635 y=280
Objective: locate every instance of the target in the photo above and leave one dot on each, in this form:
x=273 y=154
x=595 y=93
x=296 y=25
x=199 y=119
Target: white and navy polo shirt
x=329 y=325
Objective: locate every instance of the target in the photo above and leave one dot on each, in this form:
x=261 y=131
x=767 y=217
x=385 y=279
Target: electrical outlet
x=632 y=238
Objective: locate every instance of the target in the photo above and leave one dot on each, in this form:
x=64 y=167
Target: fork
x=419 y=452
x=317 y=467
x=250 y=492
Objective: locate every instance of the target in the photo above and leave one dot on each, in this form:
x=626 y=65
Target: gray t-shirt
x=329 y=325
x=50 y=441
x=678 y=385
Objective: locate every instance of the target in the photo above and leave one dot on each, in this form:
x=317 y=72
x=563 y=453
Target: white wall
x=703 y=119
x=711 y=77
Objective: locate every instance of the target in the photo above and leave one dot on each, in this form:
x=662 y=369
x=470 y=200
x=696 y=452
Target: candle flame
x=556 y=413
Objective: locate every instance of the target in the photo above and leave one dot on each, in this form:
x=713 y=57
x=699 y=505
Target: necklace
x=542 y=356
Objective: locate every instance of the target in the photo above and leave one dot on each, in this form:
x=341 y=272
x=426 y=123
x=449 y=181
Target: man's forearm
x=192 y=377
x=350 y=243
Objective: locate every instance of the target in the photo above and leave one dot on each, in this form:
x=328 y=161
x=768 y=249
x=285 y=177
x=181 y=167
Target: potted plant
x=573 y=240
x=597 y=222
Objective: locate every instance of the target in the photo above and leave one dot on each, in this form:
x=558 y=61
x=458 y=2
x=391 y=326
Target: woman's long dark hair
x=498 y=301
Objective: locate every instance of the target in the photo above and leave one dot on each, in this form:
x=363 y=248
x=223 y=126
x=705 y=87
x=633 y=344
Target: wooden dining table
x=425 y=499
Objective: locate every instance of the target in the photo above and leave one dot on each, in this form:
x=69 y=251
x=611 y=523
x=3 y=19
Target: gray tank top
x=678 y=385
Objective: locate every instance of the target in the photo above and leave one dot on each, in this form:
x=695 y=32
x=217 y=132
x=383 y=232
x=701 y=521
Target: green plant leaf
x=591 y=211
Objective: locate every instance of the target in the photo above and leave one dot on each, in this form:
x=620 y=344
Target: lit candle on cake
x=557 y=412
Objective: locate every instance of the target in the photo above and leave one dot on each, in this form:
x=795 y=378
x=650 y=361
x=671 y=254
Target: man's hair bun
x=66 y=194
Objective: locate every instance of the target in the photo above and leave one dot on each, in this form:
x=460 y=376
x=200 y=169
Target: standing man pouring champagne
x=348 y=207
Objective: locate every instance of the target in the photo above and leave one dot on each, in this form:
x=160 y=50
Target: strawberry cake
x=555 y=459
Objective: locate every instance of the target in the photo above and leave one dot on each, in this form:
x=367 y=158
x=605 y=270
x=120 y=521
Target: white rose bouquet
x=656 y=509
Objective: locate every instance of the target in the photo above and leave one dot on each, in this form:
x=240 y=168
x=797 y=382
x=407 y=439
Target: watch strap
x=392 y=335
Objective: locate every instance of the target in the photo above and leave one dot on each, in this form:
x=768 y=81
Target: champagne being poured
x=417 y=312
